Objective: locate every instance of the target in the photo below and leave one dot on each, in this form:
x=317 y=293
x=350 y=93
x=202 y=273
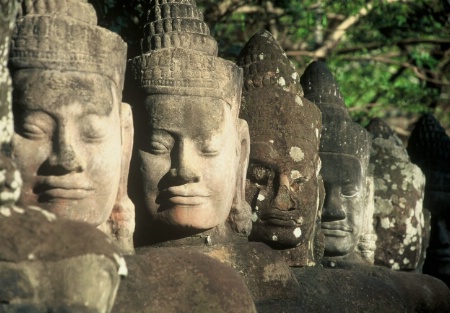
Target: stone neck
x=221 y=234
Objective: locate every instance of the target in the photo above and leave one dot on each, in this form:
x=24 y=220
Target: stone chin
x=276 y=235
x=338 y=245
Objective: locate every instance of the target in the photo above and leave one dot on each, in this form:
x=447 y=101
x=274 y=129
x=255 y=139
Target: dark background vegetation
x=391 y=57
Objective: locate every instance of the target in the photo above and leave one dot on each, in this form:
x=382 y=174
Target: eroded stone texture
x=399 y=188
x=180 y=280
x=344 y=151
x=51 y=265
x=429 y=148
x=282 y=178
x=194 y=154
x=69 y=143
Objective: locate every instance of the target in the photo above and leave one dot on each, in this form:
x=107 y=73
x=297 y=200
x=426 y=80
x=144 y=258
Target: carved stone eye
x=349 y=190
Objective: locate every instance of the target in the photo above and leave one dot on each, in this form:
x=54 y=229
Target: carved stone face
x=283 y=192
x=342 y=215
x=67 y=142
x=189 y=160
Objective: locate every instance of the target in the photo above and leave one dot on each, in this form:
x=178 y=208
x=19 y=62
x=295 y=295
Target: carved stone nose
x=283 y=199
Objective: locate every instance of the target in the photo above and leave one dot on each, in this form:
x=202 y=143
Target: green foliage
x=390 y=60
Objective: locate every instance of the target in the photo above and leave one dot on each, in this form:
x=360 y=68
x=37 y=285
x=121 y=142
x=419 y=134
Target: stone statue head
x=429 y=148
x=344 y=151
x=282 y=177
x=194 y=152
x=68 y=77
x=399 y=190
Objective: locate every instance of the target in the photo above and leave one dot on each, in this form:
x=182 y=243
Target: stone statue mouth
x=180 y=195
x=280 y=218
x=56 y=188
x=335 y=230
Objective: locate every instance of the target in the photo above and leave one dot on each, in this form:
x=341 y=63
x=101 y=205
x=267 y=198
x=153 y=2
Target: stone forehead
x=281 y=116
x=265 y=64
x=62 y=35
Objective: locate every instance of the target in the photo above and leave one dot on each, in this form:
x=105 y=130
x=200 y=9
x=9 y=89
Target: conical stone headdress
x=62 y=35
x=429 y=148
x=339 y=133
x=180 y=57
x=271 y=100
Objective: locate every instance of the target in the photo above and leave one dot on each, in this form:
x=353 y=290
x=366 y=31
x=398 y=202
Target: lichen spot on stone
x=413 y=248
x=50 y=216
x=299 y=101
x=294 y=75
x=123 y=270
x=395 y=267
x=256 y=208
x=295 y=174
x=261 y=197
x=405 y=261
x=18 y=210
x=271 y=141
x=296 y=154
x=277 y=71
x=254 y=217
x=297 y=232
x=261 y=56
x=5 y=212
x=274 y=238
x=31 y=257
x=317 y=132
x=281 y=81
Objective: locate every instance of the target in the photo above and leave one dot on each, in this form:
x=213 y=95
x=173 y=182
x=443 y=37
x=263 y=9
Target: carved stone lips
x=62 y=188
x=335 y=230
x=180 y=195
x=279 y=218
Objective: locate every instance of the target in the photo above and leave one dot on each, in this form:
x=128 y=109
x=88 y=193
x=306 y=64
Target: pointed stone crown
x=178 y=56
x=265 y=64
x=339 y=133
x=271 y=108
x=379 y=129
x=63 y=35
x=429 y=148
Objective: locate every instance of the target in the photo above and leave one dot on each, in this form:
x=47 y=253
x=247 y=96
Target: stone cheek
x=398 y=218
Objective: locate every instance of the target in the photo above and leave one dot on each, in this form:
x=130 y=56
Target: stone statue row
x=228 y=187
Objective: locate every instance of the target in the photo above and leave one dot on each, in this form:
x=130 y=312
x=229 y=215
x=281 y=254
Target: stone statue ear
x=121 y=223
x=367 y=241
x=240 y=214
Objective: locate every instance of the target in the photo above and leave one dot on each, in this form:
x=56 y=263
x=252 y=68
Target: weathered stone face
x=399 y=189
x=343 y=209
x=67 y=142
x=282 y=185
x=189 y=161
x=344 y=151
x=282 y=178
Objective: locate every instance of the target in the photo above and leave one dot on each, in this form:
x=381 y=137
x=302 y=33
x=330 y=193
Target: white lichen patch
x=274 y=238
x=261 y=197
x=298 y=100
x=296 y=154
x=123 y=270
x=297 y=232
x=5 y=212
x=277 y=71
x=18 y=210
x=317 y=132
x=271 y=141
x=294 y=75
x=281 y=81
x=412 y=248
x=295 y=174
x=261 y=56
x=394 y=187
x=50 y=216
x=405 y=261
x=256 y=208
x=254 y=217
x=385 y=223
x=395 y=266
x=391 y=261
